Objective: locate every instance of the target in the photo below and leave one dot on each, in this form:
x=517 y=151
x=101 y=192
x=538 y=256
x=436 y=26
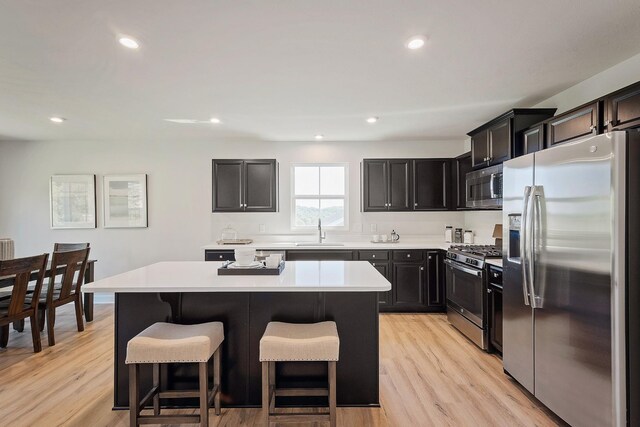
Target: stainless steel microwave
x=484 y=188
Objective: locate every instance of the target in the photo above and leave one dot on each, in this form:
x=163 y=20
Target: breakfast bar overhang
x=305 y=292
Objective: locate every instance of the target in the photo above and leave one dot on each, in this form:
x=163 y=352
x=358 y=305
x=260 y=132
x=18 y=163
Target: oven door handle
x=476 y=273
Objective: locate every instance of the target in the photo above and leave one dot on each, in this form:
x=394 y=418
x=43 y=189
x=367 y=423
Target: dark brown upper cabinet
x=495 y=141
x=375 y=175
x=431 y=184
x=460 y=167
x=623 y=108
x=577 y=123
x=480 y=149
x=400 y=183
x=386 y=185
x=500 y=142
x=245 y=185
x=532 y=140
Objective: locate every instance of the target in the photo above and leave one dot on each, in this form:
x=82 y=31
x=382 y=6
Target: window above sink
x=319 y=191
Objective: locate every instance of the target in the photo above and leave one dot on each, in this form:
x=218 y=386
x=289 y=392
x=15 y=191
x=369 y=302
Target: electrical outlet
x=263 y=228
x=374 y=228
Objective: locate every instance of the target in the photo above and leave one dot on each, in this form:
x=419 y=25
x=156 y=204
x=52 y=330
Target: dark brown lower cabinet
x=416 y=276
x=417 y=282
x=210 y=255
x=435 y=280
x=494 y=294
x=313 y=255
x=408 y=285
x=384 y=298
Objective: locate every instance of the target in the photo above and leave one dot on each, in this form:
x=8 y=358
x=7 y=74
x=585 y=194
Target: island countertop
x=202 y=276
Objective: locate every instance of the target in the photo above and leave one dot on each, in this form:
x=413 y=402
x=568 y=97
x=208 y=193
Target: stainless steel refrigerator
x=570 y=221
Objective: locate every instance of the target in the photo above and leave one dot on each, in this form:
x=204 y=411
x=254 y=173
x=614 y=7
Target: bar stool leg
x=134 y=395
x=156 y=385
x=204 y=394
x=216 y=380
x=272 y=387
x=265 y=393
x=332 y=394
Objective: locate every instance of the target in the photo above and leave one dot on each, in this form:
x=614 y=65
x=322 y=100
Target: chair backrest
x=21 y=270
x=70 y=265
x=64 y=247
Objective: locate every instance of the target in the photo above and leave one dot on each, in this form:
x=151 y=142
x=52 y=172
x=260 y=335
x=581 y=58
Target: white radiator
x=6 y=249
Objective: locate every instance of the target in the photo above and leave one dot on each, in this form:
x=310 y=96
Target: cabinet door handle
x=373 y=263
x=415 y=204
x=373 y=256
x=220 y=256
x=408 y=255
x=421 y=268
x=488 y=291
x=429 y=256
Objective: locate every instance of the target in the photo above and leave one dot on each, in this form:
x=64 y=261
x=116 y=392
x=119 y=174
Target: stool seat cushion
x=283 y=342
x=171 y=343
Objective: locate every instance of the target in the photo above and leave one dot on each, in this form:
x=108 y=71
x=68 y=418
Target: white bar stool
x=294 y=342
x=171 y=343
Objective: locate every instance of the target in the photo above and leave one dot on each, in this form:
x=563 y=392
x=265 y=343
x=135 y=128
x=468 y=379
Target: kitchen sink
x=319 y=244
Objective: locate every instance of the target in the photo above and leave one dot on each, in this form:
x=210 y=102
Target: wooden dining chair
x=65 y=247
x=57 y=247
x=20 y=305
x=70 y=265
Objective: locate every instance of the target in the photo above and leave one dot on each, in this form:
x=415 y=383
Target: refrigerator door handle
x=536 y=220
x=523 y=244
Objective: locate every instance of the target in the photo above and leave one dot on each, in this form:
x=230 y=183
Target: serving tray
x=234 y=241
x=225 y=271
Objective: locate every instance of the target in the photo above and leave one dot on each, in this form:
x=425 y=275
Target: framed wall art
x=125 y=201
x=72 y=201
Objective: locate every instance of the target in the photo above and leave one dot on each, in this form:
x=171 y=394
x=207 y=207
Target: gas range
x=473 y=255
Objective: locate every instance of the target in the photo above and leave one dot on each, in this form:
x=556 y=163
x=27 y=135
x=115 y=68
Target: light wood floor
x=429 y=376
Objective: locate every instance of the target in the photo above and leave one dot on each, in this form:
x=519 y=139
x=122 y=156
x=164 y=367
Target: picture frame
x=72 y=201
x=125 y=201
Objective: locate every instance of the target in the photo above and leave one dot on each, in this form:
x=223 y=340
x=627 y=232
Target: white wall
x=609 y=80
x=180 y=218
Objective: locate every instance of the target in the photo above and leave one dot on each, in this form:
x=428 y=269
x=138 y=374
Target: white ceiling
x=290 y=69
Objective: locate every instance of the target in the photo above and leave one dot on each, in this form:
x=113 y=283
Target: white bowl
x=245 y=256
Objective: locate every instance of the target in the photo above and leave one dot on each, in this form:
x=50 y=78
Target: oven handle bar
x=457 y=266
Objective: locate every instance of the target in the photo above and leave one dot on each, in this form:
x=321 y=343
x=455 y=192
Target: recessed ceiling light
x=416 y=42
x=129 y=42
x=319 y=137
x=215 y=120
x=184 y=121
x=372 y=119
x=57 y=119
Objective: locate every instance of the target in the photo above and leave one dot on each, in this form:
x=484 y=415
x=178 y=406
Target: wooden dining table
x=88 y=278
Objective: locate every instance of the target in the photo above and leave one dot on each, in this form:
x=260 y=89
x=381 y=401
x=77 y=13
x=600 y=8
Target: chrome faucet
x=321 y=235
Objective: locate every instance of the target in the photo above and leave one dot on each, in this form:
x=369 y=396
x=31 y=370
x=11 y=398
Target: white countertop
x=494 y=261
x=365 y=245
x=202 y=276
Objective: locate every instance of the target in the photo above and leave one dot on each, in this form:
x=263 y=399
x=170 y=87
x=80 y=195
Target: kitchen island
x=305 y=292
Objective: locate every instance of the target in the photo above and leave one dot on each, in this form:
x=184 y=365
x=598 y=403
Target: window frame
x=293 y=197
